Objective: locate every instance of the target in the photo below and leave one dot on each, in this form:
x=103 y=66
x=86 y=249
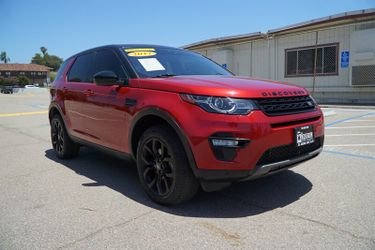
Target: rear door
x=79 y=77
x=105 y=113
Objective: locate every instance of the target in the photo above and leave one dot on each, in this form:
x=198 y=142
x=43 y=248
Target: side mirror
x=105 y=78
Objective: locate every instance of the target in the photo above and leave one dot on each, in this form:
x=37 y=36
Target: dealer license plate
x=304 y=135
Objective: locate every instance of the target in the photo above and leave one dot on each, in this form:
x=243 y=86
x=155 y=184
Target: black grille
x=287 y=152
x=285 y=105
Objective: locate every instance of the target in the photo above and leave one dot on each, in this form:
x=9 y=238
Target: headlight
x=221 y=105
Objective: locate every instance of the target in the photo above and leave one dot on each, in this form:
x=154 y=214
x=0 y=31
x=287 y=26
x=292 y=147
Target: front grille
x=287 y=152
x=285 y=105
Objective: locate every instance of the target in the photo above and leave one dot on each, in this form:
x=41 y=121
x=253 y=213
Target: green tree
x=53 y=61
x=46 y=59
x=52 y=76
x=4 y=58
x=44 y=50
x=38 y=59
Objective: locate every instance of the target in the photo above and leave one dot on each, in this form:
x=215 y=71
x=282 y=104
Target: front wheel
x=163 y=168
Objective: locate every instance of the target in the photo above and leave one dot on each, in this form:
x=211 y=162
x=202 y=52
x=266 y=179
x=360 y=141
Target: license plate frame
x=304 y=135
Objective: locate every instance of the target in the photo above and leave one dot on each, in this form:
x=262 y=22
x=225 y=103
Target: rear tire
x=63 y=146
x=163 y=167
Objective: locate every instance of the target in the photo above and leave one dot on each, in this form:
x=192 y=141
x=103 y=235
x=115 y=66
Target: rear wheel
x=163 y=168
x=62 y=144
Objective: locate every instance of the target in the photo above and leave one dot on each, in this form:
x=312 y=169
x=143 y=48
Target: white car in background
x=30 y=86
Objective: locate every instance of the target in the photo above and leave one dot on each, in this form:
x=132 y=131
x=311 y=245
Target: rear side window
x=107 y=60
x=82 y=69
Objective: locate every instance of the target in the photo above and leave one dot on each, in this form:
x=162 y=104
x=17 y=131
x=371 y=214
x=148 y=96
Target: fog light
x=225 y=148
x=224 y=143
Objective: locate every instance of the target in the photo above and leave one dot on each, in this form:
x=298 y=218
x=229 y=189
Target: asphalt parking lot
x=96 y=202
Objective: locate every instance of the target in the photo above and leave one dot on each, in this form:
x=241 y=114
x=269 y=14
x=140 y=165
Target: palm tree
x=4 y=58
x=44 y=50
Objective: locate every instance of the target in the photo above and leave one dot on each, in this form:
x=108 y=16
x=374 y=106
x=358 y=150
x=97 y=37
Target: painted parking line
x=344 y=110
x=350 y=145
x=350 y=135
x=350 y=118
x=351 y=127
x=349 y=154
x=24 y=113
x=369 y=120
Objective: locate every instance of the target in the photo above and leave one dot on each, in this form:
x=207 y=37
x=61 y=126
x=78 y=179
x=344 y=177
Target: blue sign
x=224 y=65
x=344 y=59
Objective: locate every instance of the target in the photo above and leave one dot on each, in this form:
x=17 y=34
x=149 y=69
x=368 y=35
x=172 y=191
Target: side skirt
x=103 y=149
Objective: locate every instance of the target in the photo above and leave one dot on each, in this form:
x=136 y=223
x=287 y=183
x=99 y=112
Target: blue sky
x=69 y=26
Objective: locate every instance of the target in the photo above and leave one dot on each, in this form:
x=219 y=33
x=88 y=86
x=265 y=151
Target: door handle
x=88 y=92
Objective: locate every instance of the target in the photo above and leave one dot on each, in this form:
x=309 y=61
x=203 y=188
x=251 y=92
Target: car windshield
x=165 y=62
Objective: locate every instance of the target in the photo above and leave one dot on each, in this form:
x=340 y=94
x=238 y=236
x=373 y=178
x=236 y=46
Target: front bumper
x=259 y=130
x=259 y=171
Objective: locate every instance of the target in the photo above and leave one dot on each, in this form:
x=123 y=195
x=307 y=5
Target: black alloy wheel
x=163 y=167
x=158 y=170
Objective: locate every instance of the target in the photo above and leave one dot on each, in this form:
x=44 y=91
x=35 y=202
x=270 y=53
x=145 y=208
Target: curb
x=346 y=106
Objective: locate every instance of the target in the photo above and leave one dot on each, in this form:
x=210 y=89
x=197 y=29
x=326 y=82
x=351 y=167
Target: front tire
x=163 y=167
x=63 y=146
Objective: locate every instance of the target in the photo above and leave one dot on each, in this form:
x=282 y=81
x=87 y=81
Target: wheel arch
x=54 y=109
x=153 y=117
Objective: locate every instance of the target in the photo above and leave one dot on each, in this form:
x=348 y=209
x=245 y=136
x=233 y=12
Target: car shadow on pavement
x=240 y=200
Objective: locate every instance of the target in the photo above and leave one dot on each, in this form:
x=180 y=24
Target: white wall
x=265 y=58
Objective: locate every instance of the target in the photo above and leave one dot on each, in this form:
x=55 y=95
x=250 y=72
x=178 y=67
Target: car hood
x=231 y=86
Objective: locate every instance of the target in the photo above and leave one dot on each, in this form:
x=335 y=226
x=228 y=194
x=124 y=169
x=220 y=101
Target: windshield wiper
x=163 y=75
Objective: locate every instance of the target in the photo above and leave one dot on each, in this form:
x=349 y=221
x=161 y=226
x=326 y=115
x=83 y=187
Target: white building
x=333 y=57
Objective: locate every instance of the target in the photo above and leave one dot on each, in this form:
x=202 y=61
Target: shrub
x=23 y=80
x=7 y=81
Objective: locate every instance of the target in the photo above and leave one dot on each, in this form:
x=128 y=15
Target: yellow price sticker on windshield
x=141 y=53
x=139 y=49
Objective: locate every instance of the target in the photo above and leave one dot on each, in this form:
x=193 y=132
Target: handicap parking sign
x=344 y=59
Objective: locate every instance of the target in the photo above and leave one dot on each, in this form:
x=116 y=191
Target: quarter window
x=301 y=61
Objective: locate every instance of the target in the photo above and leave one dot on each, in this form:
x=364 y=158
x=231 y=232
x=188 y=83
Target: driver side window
x=108 y=60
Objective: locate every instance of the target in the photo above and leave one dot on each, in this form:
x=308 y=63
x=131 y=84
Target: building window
x=22 y=73
x=39 y=73
x=301 y=61
x=7 y=73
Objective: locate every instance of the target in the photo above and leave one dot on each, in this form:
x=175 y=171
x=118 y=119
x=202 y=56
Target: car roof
x=125 y=46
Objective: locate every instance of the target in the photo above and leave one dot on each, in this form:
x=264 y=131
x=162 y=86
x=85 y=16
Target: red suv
x=185 y=120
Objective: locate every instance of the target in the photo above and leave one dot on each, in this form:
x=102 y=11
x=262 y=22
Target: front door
x=105 y=113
